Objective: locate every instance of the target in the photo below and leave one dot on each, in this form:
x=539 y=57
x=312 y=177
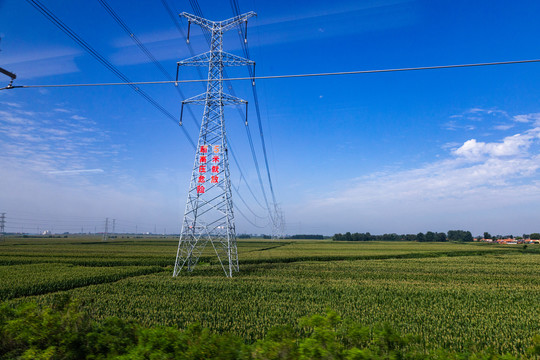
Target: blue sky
x=397 y=152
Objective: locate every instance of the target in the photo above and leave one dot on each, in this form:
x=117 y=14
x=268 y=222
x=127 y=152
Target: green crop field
x=457 y=296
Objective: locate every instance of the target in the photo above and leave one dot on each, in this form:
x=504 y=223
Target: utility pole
x=106 y=232
x=208 y=216
x=2 y=226
x=114 y=226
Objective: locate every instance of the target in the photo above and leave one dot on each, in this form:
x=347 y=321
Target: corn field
x=457 y=296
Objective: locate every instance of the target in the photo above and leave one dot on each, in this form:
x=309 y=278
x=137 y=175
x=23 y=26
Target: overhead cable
x=145 y=50
x=243 y=41
x=126 y=81
x=289 y=76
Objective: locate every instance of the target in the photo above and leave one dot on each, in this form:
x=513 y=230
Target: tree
x=487 y=235
x=459 y=235
x=420 y=237
x=440 y=237
x=430 y=236
x=338 y=237
x=535 y=236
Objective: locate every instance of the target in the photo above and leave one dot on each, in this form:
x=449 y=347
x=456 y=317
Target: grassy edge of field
x=64 y=331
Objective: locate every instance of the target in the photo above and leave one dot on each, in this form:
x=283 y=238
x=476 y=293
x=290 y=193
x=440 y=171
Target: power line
x=242 y=175
x=268 y=77
x=243 y=36
x=247 y=219
x=174 y=19
x=244 y=202
x=145 y=50
x=68 y=31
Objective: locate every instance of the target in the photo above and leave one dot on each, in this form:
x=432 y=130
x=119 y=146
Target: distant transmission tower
x=209 y=209
x=106 y=232
x=278 y=223
x=2 y=226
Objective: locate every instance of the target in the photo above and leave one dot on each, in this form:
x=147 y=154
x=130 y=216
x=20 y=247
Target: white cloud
x=477 y=179
x=36 y=62
x=504 y=126
x=16 y=105
x=49 y=198
x=75 y=172
x=527 y=118
x=450 y=145
x=454 y=125
x=48 y=142
x=511 y=145
x=34 y=55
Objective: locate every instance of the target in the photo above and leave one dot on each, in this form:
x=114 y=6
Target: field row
x=451 y=302
x=35 y=279
x=146 y=253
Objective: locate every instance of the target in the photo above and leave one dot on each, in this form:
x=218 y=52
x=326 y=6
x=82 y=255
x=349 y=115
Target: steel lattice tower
x=106 y=232
x=2 y=226
x=209 y=214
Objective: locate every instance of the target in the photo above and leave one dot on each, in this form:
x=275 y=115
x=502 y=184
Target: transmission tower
x=208 y=216
x=2 y=226
x=278 y=223
x=106 y=232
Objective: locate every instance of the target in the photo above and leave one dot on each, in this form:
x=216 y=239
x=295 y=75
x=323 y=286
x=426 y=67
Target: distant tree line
x=304 y=236
x=430 y=236
x=297 y=237
x=533 y=236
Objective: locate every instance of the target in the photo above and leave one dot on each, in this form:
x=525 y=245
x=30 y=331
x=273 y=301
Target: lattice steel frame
x=208 y=216
x=2 y=226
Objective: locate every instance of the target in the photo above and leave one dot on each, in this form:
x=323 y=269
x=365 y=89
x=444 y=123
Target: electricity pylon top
x=208 y=217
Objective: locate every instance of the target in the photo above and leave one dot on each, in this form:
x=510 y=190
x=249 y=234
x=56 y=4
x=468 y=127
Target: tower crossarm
x=196 y=100
x=227 y=59
x=226 y=99
x=218 y=25
x=234 y=60
x=198 y=20
x=197 y=60
x=229 y=23
x=231 y=100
